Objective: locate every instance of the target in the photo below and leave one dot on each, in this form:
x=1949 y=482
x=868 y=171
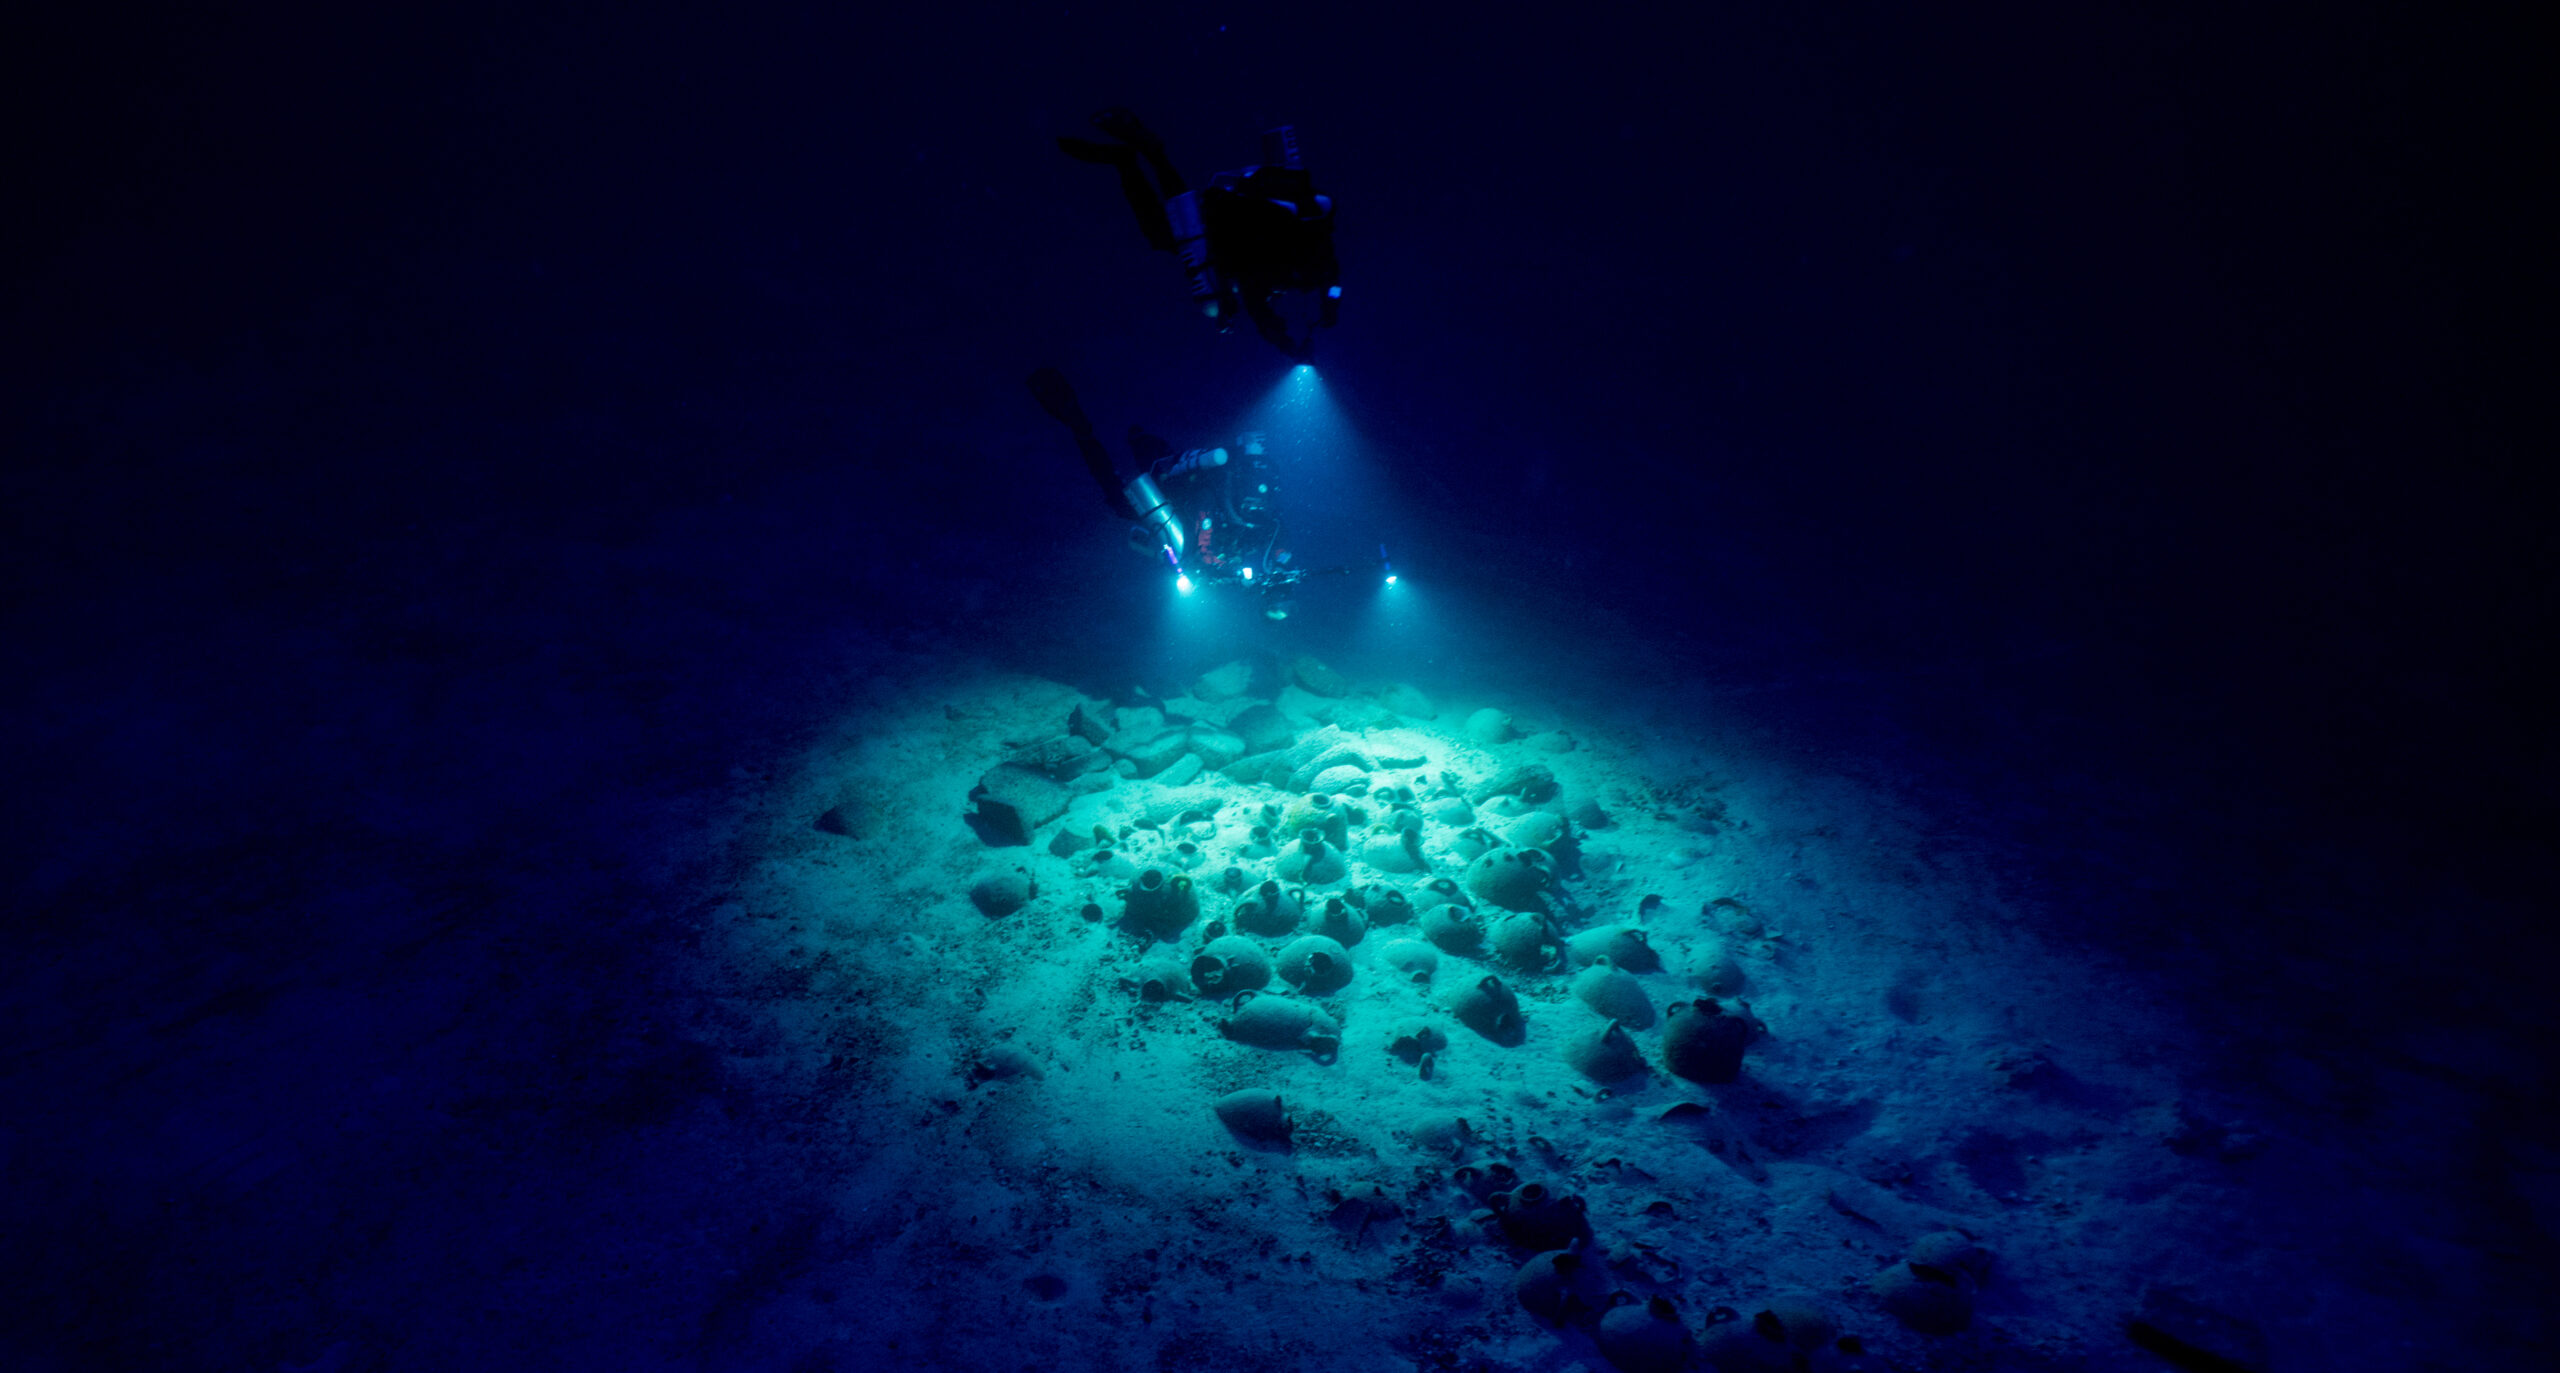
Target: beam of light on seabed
x=1328 y=492
x=1304 y=424
x=1201 y=624
x=1336 y=510
x=1401 y=631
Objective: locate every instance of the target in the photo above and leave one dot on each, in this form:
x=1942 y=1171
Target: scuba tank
x=1191 y=229
x=1296 y=191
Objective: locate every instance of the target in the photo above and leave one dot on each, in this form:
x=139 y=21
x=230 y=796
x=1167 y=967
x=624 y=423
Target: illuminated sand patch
x=1033 y=1161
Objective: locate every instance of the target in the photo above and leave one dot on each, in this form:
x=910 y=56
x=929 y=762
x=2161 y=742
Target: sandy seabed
x=1034 y=1174
x=593 y=1048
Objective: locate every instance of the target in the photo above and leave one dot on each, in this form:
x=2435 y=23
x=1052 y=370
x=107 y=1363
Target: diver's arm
x=1153 y=150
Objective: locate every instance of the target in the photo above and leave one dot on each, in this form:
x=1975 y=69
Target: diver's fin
x=1147 y=448
x=1049 y=387
x=1119 y=123
x=1086 y=150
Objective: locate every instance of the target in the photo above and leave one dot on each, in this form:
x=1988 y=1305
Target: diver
x=1245 y=239
x=1209 y=513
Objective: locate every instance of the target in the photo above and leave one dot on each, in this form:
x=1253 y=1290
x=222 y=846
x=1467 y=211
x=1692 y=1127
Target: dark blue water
x=458 y=466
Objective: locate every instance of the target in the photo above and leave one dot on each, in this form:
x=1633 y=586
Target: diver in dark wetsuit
x=1245 y=238
x=1208 y=512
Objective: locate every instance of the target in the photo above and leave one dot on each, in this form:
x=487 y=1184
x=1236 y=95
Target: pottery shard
x=1358 y=714
x=1313 y=675
x=1929 y=1299
x=1166 y=810
x=1013 y=801
x=1224 y=683
x=2192 y=1335
x=1003 y=893
x=1256 y=1115
x=1088 y=725
x=1339 y=756
x=1257 y=767
x=1063 y=758
x=1216 y=747
x=854 y=817
x=1298 y=703
x=1314 y=746
x=1272 y=1022
x=1262 y=728
x=1397 y=748
x=1340 y=779
x=1531 y=782
x=1449 y=810
x=1407 y=702
x=1152 y=756
x=1604 y=1053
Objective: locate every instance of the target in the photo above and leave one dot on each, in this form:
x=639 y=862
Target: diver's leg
x=1148 y=207
x=1086 y=150
x=1122 y=125
x=1166 y=176
x=1097 y=460
x=1143 y=200
x=1049 y=387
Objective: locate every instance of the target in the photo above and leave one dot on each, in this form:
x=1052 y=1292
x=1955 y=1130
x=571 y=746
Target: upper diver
x=1244 y=238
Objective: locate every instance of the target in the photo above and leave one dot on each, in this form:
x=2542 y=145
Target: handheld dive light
x=1156 y=513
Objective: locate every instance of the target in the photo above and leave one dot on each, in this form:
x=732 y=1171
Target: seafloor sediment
x=663 y=1055
x=1028 y=1096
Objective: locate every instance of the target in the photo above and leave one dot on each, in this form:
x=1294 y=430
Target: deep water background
x=451 y=458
